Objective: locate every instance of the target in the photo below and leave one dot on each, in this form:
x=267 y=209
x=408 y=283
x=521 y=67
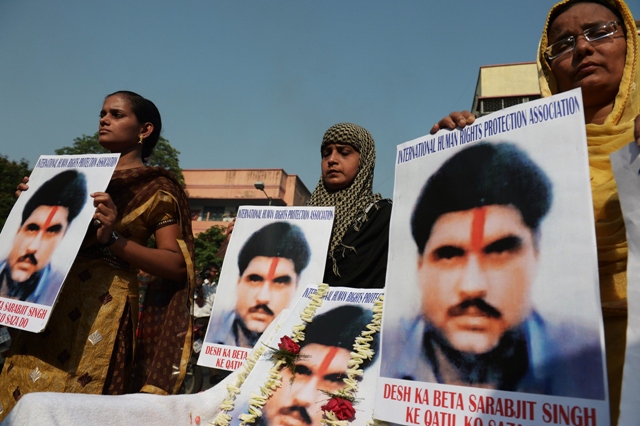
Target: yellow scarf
x=603 y=139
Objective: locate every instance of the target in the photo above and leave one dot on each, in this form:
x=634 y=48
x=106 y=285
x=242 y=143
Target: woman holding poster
x=592 y=44
x=88 y=345
x=359 y=243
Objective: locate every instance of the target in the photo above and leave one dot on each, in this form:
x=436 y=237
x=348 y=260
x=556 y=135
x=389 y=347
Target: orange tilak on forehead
x=272 y=268
x=333 y=350
x=477 y=228
x=54 y=209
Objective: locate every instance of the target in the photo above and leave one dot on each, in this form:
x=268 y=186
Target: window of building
x=212 y=213
x=230 y=213
x=490 y=105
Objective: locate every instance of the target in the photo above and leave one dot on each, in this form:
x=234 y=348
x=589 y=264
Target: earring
x=141 y=139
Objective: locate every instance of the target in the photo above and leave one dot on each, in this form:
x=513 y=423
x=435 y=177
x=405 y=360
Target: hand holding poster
x=43 y=233
x=492 y=314
x=273 y=254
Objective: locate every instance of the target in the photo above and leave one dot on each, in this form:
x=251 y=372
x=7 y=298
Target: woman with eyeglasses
x=592 y=44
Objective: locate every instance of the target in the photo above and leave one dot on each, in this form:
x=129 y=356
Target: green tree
x=83 y=145
x=163 y=155
x=11 y=174
x=207 y=244
x=166 y=156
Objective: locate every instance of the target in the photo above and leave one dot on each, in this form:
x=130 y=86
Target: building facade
x=215 y=195
x=502 y=86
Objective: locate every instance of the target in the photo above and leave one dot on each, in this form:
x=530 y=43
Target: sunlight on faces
x=37 y=239
x=267 y=281
x=596 y=66
x=320 y=368
x=119 y=129
x=485 y=253
x=340 y=164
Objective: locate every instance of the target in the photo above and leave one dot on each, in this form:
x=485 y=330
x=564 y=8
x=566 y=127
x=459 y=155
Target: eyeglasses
x=592 y=34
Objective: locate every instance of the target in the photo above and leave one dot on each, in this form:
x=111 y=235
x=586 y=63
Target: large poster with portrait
x=626 y=166
x=492 y=314
x=43 y=234
x=273 y=254
x=320 y=366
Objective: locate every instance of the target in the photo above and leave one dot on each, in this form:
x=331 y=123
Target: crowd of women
x=587 y=44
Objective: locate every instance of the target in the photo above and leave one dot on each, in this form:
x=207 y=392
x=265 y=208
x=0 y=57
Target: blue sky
x=253 y=84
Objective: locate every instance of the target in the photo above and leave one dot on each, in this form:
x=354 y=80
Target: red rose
x=289 y=345
x=342 y=408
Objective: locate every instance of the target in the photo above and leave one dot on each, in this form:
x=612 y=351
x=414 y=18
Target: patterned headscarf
x=351 y=203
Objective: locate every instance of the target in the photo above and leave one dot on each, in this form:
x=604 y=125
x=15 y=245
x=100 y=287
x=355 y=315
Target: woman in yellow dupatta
x=607 y=71
x=592 y=44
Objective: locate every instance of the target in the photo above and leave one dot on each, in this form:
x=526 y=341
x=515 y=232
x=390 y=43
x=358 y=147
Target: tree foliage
x=83 y=145
x=11 y=174
x=164 y=155
x=206 y=246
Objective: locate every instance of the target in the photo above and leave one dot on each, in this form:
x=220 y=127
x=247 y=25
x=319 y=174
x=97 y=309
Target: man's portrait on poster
x=269 y=266
x=27 y=273
x=326 y=351
x=476 y=225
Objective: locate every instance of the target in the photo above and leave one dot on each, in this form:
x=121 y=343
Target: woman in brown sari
x=88 y=345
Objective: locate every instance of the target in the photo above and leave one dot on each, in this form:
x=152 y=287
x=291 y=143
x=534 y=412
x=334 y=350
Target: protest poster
x=331 y=327
x=492 y=314
x=273 y=254
x=43 y=234
x=626 y=167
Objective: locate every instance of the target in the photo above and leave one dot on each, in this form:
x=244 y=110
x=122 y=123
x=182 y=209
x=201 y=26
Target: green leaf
x=206 y=246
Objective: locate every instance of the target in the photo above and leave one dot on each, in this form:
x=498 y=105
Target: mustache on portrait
x=302 y=412
x=29 y=257
x=261 y=308
x=478 y=303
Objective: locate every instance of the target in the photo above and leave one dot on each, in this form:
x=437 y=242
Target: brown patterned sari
x=89 y=344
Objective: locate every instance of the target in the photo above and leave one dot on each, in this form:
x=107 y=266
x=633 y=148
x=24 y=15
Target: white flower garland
x=361 y=351
x=257 y=401
x=224 y=418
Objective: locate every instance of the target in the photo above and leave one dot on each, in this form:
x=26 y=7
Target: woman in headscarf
x=89 y=345
x=592 y=44
x=357 y=254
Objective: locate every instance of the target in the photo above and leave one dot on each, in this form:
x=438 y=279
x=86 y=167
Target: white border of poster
x=314 y=222
x=97 y=170
x=626 y=166
x=564 y=291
